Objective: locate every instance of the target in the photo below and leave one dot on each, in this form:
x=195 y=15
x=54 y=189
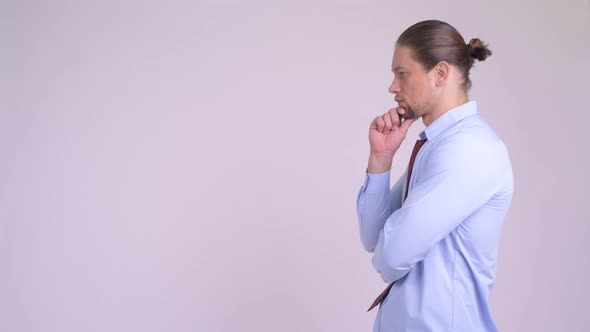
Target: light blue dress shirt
x=440 y=246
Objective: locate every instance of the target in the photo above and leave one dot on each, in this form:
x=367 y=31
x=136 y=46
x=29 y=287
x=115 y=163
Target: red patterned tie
x=417 y=147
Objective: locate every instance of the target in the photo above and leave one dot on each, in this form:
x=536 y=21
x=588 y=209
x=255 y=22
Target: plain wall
x=194 y=166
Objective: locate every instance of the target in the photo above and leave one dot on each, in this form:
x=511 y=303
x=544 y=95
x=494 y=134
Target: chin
x=410 y=114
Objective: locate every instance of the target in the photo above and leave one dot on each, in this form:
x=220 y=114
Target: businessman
x=434 y=235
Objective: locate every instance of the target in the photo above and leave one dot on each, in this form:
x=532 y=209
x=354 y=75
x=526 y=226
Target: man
x=435 y=233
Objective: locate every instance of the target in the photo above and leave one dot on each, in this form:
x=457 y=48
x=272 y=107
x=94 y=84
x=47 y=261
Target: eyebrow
x=397 y=68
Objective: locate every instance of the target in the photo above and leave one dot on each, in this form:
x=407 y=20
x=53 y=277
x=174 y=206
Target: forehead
x=403 y=59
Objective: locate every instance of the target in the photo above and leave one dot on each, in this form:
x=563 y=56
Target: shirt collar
x=448 y=119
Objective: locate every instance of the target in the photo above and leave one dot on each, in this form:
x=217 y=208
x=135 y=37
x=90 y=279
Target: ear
x=442 y=71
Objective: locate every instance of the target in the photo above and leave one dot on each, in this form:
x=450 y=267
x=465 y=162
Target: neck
x=441 y=108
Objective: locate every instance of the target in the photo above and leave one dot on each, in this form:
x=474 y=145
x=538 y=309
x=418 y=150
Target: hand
x=386 y=133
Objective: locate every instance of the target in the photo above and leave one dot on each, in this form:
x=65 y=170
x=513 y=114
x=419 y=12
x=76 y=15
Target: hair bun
x=478 y=50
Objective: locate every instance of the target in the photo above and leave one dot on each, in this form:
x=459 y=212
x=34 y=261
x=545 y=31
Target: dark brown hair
x=434 y=41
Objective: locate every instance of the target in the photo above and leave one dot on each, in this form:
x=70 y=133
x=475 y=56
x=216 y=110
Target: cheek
x=406 y=86
x=412 y=89
x=421 y=88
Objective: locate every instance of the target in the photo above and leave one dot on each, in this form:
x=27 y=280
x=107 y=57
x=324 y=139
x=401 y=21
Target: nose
x=394 y=87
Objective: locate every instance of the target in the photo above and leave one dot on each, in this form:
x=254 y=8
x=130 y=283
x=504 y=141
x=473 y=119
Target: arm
x=459 y=178
x=375 y=203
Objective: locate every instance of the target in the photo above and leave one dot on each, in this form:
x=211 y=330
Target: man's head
x=431 y=65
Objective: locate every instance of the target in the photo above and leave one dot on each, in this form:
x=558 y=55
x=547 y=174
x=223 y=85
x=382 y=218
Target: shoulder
x=472 y=134
x=471 y=143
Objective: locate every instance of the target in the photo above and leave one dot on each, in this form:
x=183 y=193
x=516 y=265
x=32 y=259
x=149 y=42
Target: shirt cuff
x=377 y=183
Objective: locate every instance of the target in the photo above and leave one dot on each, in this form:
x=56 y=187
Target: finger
x=388 y=122
x=380 y=124
x=373 y=124
x=395 y=119
x=401 y=113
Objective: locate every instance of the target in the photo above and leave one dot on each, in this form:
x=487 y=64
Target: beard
x=410 y=113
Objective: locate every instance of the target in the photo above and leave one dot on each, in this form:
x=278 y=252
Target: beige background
x=193 y=166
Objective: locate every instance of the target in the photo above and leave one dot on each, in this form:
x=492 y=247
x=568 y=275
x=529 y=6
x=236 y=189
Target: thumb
x=406 y=125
